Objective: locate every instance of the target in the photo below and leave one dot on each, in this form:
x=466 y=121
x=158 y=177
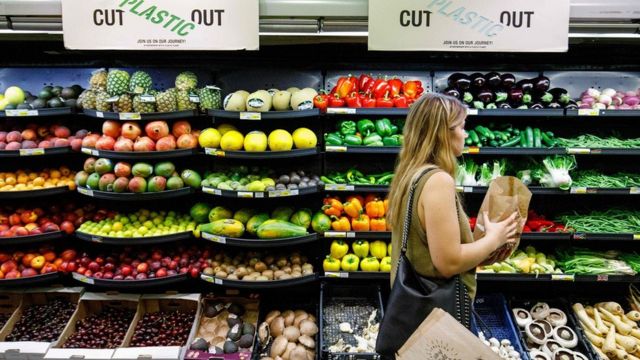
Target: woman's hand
x=499 y=255
x=503 y=232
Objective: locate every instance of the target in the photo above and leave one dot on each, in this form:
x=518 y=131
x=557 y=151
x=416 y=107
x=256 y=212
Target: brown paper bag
x=440 y=337
x=506 y=194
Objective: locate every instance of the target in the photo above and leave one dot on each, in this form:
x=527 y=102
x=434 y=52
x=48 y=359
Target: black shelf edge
x=38 y=112
x=29 y=194
x=31 y=239
x=577 y=191
x=356 y=275
x=546 y=236
x=32 y=280
x=268 y=115
x=272 y=284
x=130 y=284
x=382 y=235
x=260 y=243
x=167 y=194
x=517 y=112
x=538 y=190
x=140 y=116
x=139 y=155
x=604 y=113
x=581 y=236
x=492 y=277
x=369 y=111
x=35 y=152
x=391 y=150
x=608 y=278
x=134 y=241
x=611 y=152
x=604 y=191
x=259 y=195
x=356 y=188
x=473 y=150
x=264 y=155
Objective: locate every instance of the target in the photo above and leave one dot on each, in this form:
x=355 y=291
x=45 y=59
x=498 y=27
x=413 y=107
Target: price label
x=333 y=148
x=579 y=190
x=339 y=187
x=83 y=278
x=562 y=277
x=283 y=193
x=214 y=238
x=31 y=152
x=214 y=152
x=579 y=236
x=342 y=111
x=472 y=111
x=194 y=99
x=467 y=189
x=335 y=234
x=88 y=151
x=147 y=98
x=337 y=274
x=636 y=236
x=84 y=191
x=588 y=112
x=207 y=278
x=245 y=194
x=97 y=239
x=578 y=151
x=634 y=190
x=244 y=115
x=210 y=190
x=99 y=114
x=21 y=112
x=471 y=150
x=259 y=195
x=130 y=116
x=602 y=278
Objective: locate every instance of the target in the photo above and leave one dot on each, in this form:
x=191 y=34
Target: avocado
x=45 y=94
x=77 y=88
x=47 y=88
x=200 y=344
x=72 y=103
x=24 y=106
x=235 y=332
x=215 y=350
x=213 y=309
x=39 y=104
x=236 y=309
x=245 y=341
x=68 y=93
x=248 y=329
x=56 y=90
x=29 y=99
x=233 y=320
x=55 y=102
x=230 y=347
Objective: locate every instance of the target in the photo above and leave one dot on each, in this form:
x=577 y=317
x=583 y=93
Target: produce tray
x=140 y=155
x=495 y=321
x=260 y=243
x=264 y=155
x=369 y=111
x=357 y=188
x=580 y=236
x=382 y=235
x=168 y=194
x=130 y=284
x=391 y=150
x=605 y=113
x=38 y=112
x=257 y=194
x=357 y=275
x=517 y=112
x=351 y=295
x=269 y=115
x=140 y=116
x=34 y=193
x=545 y=236
x=474 y=150
x=239 y=284
x=134 y=241
x=32 y=280
x=30 y=239
x=35 y=152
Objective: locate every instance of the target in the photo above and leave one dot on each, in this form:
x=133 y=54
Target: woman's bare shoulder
x=440 y=180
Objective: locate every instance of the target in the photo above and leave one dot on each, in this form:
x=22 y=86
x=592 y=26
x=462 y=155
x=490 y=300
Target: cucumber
x=529 y=136
x=537 y=138
x=511 y=143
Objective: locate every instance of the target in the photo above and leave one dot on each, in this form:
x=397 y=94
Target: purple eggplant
x=536 y=106
x=504 y=105
x=525 y=84
x=492 y=79
x=463 y=82
x=507 y=81
x=571 y=105
x=515 y=95
x=541 y=83
x=560 y=95
x=554 y=105
x=477 y=80
x=453 y=78
x=485 y=95
x=453 y=92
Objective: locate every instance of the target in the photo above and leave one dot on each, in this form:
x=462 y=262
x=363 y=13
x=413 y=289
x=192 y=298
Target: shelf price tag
x=335 y=234
x=130 y=116
x=88 y=151
x=210 y=190
x=283 y=193
x=562 y=277
x=341 y=111
x=250 y=115
x=578 y=151
x=95 y=238
x=580 y=236
x=636 y=236
x=31 y=152
x=588 y=112
x=214 y=152
x=245 y=194
x=471 y=150
x=84 y=191
x=333 y=148
x=211 y=279
x=214 y=238
x=580 y=190
x=21 y=112
x=634 y=190
x=338 y=187
x=602 y=278
x=83 y=278
x=99 y=114
x=472 y=111
x=337 y=274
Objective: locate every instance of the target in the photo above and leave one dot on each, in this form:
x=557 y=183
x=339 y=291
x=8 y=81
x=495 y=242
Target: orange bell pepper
x=360 y=223
x=375 y=209
x=359 y=197
x=333 y=208
x=386 y=205
x=379 y=224
x=328 y=199
x=353 y=208
x=340 y=223
x=369 y=198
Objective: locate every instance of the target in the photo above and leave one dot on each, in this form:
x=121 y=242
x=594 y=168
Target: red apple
x=67 y=227
x=142 y=268
x=94 y=266
x=161 y=273
x=62 y=132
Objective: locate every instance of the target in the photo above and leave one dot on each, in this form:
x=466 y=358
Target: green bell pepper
x=347 y=127
x=393 y=140
x=394 y=129
x=373 y=140
x=383 y=127
x=366 y=127
x=333 y=139
x=352 y=140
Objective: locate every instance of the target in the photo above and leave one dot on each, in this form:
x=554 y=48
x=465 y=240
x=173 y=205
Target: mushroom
x=308 y=327
x=536 y=333
x=271 y=315
x=556 y=317
x=563 y=354
x=299 y=353
x=540 y=311
x=307 y=341
x=536 y=354
x=550 y=347
x=288 y=350
x=579 y=356
x=298 y=319
x=292 y=333
x=299 y=312
x=289 y=317
x=523 y=317
x=565 y=336
x=263 y=333
x=545 y=324
x=279 y=346
x=277 y=326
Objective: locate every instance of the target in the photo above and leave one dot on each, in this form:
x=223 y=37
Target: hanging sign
x=161 y=24
x=469 y=25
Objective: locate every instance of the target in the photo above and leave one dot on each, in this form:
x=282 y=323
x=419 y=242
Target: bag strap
x=407 y=220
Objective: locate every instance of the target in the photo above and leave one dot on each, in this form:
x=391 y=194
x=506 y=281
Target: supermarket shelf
x=604 y=113
x=32 y=280
x=356 y=275
x=263 y=155
x=168 y=194
x=473 y=150
x=31 y=239
x=604 y=191
x=38 y=112
x=545 y=236
x=517 y=112
x=29 y=194
x=489 y=277
x=269 y=115
x=258 y=194
x=357 y=188
x=260 y=243
x=139 y=116
x=382 y=235
x=392 y=150
x=140 y=155
x=611 y=152
x=35 y=152
x=369 y=111
x=580 y=236
x=538 y=190
x=134 y=241
x=254 y=285
x=130 y=284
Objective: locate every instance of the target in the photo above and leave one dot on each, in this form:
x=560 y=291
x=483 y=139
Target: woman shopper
x=440 y=250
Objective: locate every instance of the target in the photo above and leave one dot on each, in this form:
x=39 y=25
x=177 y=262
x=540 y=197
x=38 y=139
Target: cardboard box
x=33 y=350
x=154 y=303
x=91 y=303
x=9 y=304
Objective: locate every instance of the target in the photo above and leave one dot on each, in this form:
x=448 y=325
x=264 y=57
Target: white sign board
x=469 y=25
x=161 y=24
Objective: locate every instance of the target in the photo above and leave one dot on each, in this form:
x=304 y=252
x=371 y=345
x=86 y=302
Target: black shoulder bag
x=413 y=296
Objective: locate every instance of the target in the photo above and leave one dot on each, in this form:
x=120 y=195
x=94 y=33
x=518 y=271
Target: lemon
x=304 y=138
x=232 y=140
x=280 y=140
x=255 y=141
x=225 y=128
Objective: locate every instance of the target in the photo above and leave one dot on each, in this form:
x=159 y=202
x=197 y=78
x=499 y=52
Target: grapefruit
x=224 y=128
x=280 y=140
x=304 y=138
x=232 y=140
x=255 y=141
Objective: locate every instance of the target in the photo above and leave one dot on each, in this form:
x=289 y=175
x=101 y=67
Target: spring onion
x=588 y=262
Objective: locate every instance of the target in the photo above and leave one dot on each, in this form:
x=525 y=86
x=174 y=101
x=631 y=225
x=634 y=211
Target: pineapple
x=88 y=99
x=98 y=80
x=140 y=82
x=183 y=101
x=210 y=99
x=186 y=80
x=101 y=101
x=166 y=101
x=124 y=104
x=142 y=107
x=117 y=82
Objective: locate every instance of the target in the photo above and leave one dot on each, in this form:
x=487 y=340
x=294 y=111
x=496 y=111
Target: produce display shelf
x=517 y=112
x=357 y=188
x=606 y=151
x=35 y=152
x=134 y=241
x=382 y=235
x=357 y=275
x=268 y=115
x=626 y=279
x=263 y=155
x=581 y=236
x=130 y=284
x=139 y=155
x=168 y=194
x=254 y=285
x=546 y=236
x=28 y=194
x=37 y=112
x=604 y=191
x=492 y=277
x=140 y=116
x=474 y=150
x=391 y=150
x=538 y=190
x=604 y=113
x=32 y=280
x=369 y=111
x=31 y=239
x=259 y=194
x=260 y=243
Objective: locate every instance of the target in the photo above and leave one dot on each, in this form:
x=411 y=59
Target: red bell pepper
x=412 y=89
x=395 y=86
x=384 y=102
x=400 y=101
x=472 y=222
x=362 y=81
x=353 y=100
x=368 y=101
x=526 y=229
x=539 y=225
x=345 y=86
x=368 y=87
x=380 y=88
x=354 y=81
x=321 y=102
x=336 y=101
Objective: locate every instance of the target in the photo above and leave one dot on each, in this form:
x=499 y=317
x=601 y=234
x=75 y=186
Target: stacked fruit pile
x=24 y=221
x=369 y=92
x=42 y=322
x=374 y=256
x=228 y=138
x=104 y=330
x=242 y=178
x=142 y=223
x=357 y=213
x=266 y=100
x=126 y=136
x=175 y=329
x=49 y=97
x=27 y=180
x=382 y=132
x=42 y=261
x=254 y=266
x=33 y=136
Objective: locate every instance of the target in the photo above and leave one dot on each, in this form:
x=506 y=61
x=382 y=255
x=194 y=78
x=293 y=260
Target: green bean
x=590 y=178
x=609 y=221
x=592 y=141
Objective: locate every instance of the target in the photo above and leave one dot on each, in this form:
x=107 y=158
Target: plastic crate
x=349 y=295
x=495 y=321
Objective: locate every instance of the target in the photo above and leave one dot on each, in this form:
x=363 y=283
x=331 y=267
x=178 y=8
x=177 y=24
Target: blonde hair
x=427 y=141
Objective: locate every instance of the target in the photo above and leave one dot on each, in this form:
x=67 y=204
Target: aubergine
x=554 y=105
x=571 y=105
x=492 y=79
x=515 y=95
x=503 y=105
x=536 y=106
x=525 y=84
x=462 y=82
x=560 y=95
x=477 y=80
x=453 y=79
x=453 y=92
x=541 y=83
x=485 y=95
x=507 y=81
